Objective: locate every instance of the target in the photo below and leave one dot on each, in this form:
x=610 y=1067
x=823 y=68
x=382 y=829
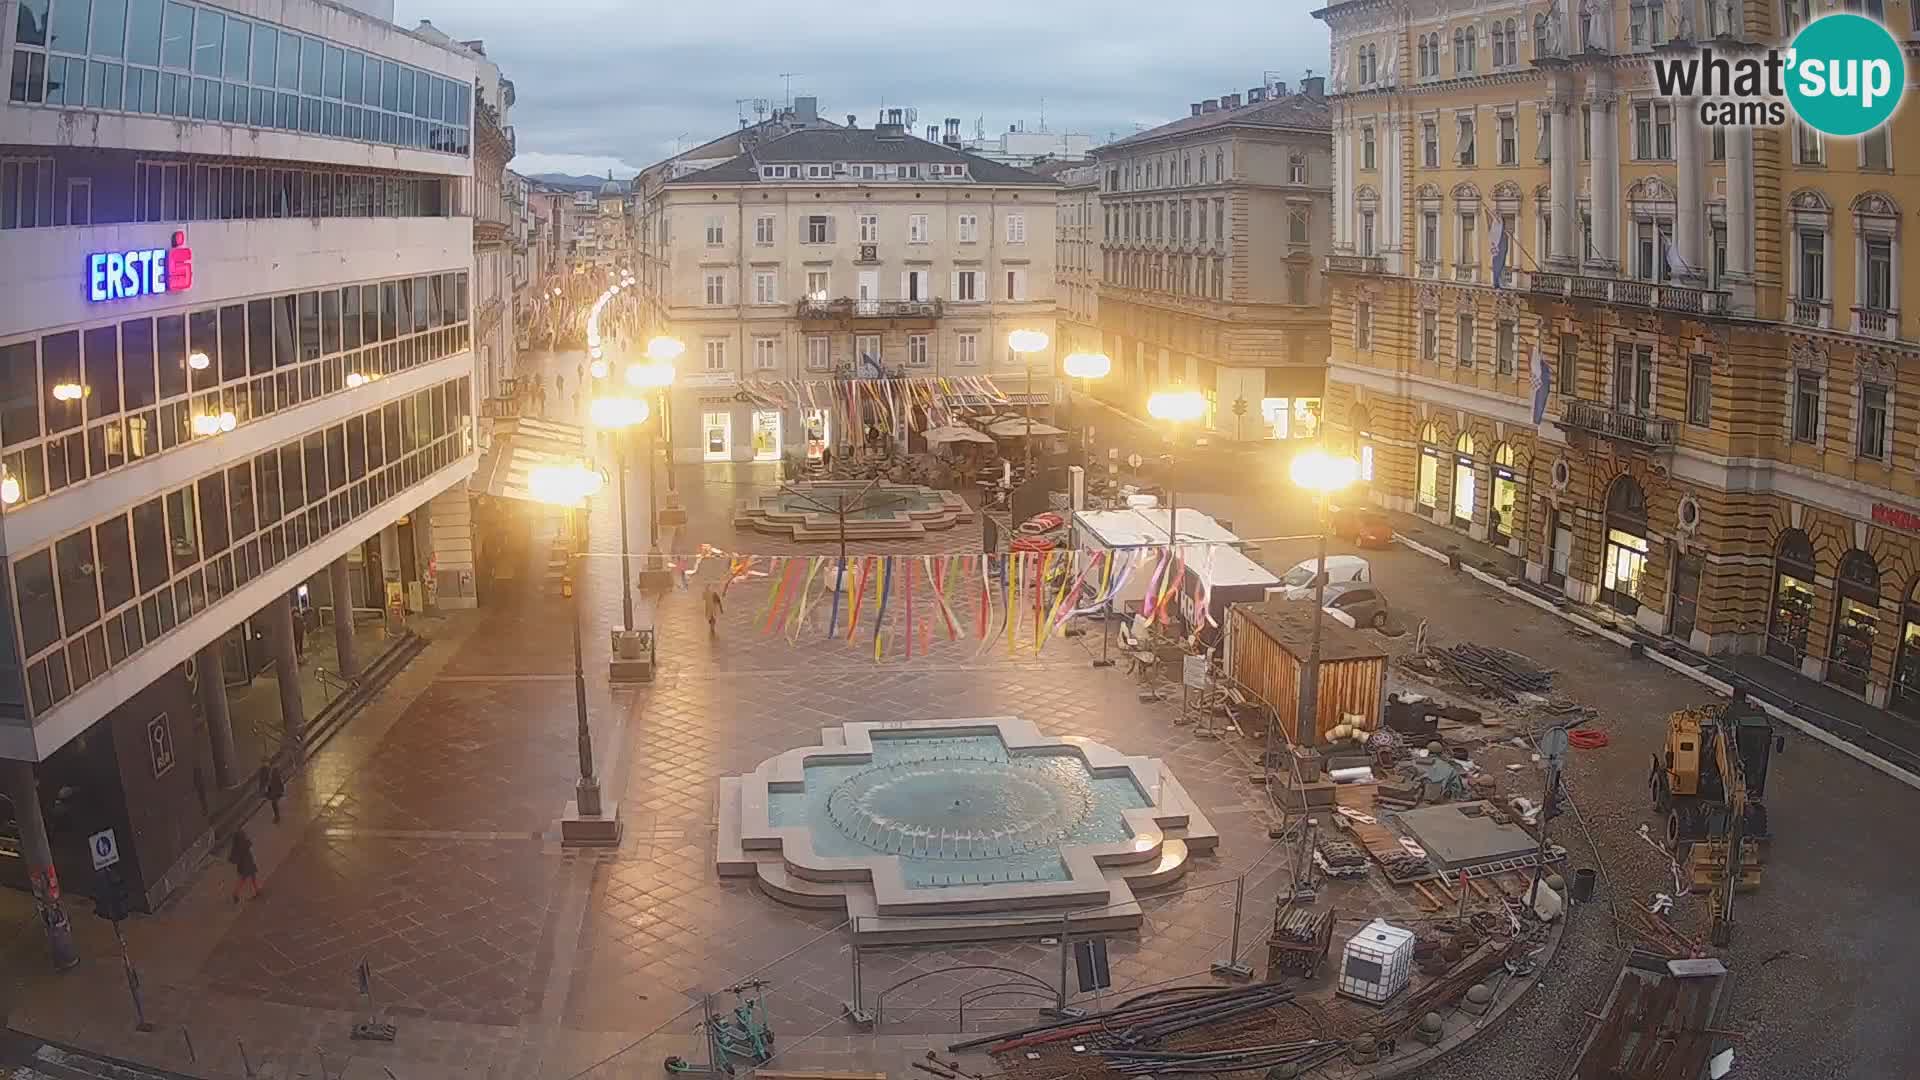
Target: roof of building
x=857 y=145
x=1297 y=111
x=612 y=186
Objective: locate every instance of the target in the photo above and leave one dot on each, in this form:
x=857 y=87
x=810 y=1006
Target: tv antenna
x=789 y=76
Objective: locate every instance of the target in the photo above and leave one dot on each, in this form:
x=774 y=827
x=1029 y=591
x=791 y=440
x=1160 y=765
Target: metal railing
x=1684 y=299
x=1356 y=264
x=868 y=309
x=1601 y=419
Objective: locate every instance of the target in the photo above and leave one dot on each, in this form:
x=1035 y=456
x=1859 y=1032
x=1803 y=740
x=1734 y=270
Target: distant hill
x=568 y=182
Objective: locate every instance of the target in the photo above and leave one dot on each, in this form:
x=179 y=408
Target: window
x=819 y=229
x=1540 y=36
x=1296 y=285
x=1016 y=285
x=1872 y=441
x=764 y=291
x=1468 y=254
x=917 y=229
x=1465 y=141
x=819 y=352
x=1504 y=345
x=1808 y=149
x=1220 y=220
x=1812 y=283
x=1463 y=340
x=869 y=228
x=763 y=230
x=1016 y=228
x=1873 y=149
x=1430 y=336
x=1363 y=325
x=1806 y=407
x=1296 y=167
x=1567 y=378
x=969 y=225
x=1430 y=144
x=716 y=231
x=966 y=285
x=1876 y=288
x=716 y=354
x=1633 y=379
x=1366 y=232
x=1699 y=390
x=1586 y=133
x=1509 y=142
x=766 y=353
x=1719 y=242
x=819 y=172
x=716 y=289
x=817 y=284
x=1366 y=147
x=1297 y=225
x=917 y=350
x=1430 y=237
x=966 y=349
x=1718 y=148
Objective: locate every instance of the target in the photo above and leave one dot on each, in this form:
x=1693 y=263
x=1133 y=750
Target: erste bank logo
x=1842 y=75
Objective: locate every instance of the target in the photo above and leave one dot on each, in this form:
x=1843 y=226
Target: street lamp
x=1087 y=367
x=1323 y=474
x=1175 y=407
x=663 y=349
x=1027 y=343
x=571 y=486
x=616 y=414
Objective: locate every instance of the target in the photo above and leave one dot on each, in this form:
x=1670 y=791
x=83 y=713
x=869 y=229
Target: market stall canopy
x=521 y=445
x=1012 y=429
x=956 y=433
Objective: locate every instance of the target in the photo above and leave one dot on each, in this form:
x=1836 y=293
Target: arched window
x=1428 y=490
x=1792 y=610
x=1362 y=425
x=1459 y=50
x=1464 y=444
x=1473 y=49
x=1220 y=168
x=1625 y=554
x=1499 y=46
x=1203 y=168
x=1187 y=166
x=1856 y=623
x=1464 y=486
x=1906 y=670
x=1539 y=36
x=1505 y=494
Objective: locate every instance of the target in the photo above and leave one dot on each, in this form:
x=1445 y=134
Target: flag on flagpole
x=1499 y=252
x=1542 y=384
x=1676 y=266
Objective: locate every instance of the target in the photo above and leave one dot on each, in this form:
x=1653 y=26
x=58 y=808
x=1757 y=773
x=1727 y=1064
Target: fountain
x=970 y=828
x=809 y=510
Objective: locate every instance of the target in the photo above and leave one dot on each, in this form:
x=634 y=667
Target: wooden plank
x=816 y=1074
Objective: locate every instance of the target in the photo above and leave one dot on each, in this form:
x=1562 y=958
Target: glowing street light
x=570 y=486
x=1088 y=365
x=1323 y=473
x=67 y=391
x=598 y=369
x=617 y=412
x=9 y=490
x=214 y=423
x=1027 y=343
x=653 y=375
x=665 y=348
x=198 y=361
x=1177 y=406
x=564 y=485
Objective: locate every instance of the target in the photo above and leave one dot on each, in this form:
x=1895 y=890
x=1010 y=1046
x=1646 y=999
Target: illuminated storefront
x=1506 y=492
x=1856 y=622
x=1792 y=608
x=1463 y=481
x=1625 y=555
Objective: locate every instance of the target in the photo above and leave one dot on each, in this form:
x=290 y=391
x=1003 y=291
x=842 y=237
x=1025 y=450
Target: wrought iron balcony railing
x=1598 y=418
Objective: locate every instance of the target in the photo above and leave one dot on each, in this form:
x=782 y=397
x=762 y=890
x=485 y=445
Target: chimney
x=933 y=133
x=852 y=121
x=1314 y=86
x=1231 y=101
x=805 y=108
x=953 y=132
x=1195 y=107
x=892 y=125
x=1256 y=95
x=1279 y=88
x=1210 y=105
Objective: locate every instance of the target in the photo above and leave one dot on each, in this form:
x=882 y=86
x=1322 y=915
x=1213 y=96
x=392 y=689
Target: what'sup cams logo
x=1843 y=75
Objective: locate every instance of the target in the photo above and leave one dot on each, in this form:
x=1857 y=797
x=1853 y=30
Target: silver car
x=1359 y=601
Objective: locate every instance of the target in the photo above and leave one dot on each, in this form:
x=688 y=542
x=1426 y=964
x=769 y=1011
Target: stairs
x=378 y=674
x=49 y=1062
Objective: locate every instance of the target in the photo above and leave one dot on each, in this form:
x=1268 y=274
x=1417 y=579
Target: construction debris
x=1494 y=672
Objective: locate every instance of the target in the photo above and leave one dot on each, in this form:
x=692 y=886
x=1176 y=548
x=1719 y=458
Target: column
x=1562 y=176
x=286 y=669
x=1740 y=203
x=1606 y=177
x=1689 y=214
x=24 y=793
x=210 y=672
x=341 y=586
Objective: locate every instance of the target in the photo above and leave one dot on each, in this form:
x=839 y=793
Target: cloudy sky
x=620 y=84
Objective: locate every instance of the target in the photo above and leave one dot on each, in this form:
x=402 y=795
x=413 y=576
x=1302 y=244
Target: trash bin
x=1583 y=881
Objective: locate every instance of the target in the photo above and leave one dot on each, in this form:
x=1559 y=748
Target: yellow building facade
x=1728 y=449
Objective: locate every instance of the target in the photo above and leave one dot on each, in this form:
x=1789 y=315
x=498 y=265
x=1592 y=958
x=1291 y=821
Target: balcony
x=1430 y=270
x=1466 y=272
x=1679 y=299
x=1356 y=264
x=1808 y=312
x=1877 y=322
x=1595 y=418
x=904 y=314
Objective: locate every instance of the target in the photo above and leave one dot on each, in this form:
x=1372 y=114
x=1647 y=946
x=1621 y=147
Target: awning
x=521 y=445
x=955 y=433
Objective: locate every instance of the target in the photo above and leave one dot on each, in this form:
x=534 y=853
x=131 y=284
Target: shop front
x=1906 y=666
x=1856 y=622
x=1624 y=558
x=1505 y=495
x=766 y=434
x=1790 y=615
x=1463 y=481
x=1290 y=402
x=818 y=424
x=1427 y=491
x=716 y=433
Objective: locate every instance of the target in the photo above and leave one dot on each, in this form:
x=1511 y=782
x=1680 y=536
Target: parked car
x=1299 y=581
x=1364 y=525
x=1358 y=601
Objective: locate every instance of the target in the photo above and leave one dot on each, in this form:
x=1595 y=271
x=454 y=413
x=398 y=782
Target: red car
x=1365 y=526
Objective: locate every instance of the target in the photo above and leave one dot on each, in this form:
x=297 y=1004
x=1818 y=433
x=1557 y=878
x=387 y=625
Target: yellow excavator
x=1710 y=782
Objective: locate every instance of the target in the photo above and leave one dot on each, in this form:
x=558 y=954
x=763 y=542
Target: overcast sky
x=619 y=84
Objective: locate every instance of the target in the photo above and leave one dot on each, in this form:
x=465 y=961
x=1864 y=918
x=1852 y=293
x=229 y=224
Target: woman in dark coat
x=246 y=870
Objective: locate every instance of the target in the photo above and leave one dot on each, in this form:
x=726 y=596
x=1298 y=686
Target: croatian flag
x=1542 y=385
x=1676 y=266
x=1499 y=253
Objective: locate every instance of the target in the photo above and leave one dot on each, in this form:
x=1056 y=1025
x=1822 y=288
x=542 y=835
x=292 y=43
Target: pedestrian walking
x=273 y=788
x=711 y=601
x=246 y=870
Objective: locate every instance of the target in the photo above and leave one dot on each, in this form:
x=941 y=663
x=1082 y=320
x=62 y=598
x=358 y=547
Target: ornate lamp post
x=1027 y=343
x=1087 y=367
x=1323 y=474
x=658 y=374
x=616 y=414
x=1175 y=407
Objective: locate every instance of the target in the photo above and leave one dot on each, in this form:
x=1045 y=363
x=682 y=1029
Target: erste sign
x=122 y=275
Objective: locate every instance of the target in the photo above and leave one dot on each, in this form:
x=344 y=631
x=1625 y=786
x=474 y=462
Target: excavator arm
x=1734 y=784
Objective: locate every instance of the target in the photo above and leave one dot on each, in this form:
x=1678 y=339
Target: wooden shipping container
x=1268 y=647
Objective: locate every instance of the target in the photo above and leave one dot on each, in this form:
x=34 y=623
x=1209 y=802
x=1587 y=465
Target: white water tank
x=1377 y=962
